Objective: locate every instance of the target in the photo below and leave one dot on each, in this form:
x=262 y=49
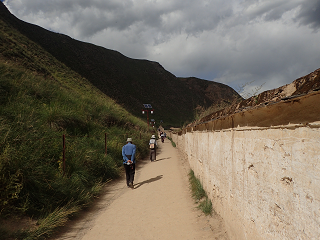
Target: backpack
x=152 y=144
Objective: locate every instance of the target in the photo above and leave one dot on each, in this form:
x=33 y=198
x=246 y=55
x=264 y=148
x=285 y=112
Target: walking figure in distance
x=162 y=137
x=153 y=148
x=129 y=163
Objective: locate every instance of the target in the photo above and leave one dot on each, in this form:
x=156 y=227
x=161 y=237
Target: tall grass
x=172 y=142
x=40 y=100
x=55 y=219
x=199 y=195
x=34 y=114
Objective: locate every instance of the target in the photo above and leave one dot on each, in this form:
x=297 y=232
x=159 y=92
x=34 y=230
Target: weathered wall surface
x=264 y=181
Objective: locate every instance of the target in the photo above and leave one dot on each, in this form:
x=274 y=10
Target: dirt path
x=159 y=206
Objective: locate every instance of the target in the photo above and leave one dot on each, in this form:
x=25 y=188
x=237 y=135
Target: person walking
x=162 y=137
x=153 y=148
x=129 y=163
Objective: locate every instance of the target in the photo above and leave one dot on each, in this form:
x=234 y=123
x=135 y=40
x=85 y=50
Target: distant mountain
x=130 y=82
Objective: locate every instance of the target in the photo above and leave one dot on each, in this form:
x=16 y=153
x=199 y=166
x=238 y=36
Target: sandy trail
x=159 y=207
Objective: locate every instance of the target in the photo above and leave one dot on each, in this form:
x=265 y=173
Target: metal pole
x=64 y=154
x=148 y=119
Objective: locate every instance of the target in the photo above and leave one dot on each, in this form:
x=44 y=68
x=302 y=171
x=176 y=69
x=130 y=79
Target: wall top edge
x=302 y=111
x=289 y=126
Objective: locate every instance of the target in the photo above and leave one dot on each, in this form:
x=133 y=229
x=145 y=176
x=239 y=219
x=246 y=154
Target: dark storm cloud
x=310 y=13
x=167 y=16
x=234 y=42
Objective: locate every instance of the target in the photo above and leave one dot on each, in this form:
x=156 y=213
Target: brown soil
x=14 y=224
x=159 y=207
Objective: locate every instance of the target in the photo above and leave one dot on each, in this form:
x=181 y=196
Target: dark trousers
x=153 y=154
x=130 y=171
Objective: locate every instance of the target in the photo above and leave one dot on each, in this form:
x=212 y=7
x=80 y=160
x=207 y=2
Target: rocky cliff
x=299 y=87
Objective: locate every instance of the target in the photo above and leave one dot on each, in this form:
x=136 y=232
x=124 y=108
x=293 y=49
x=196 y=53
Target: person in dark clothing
x=162 y=137
x=129 y=163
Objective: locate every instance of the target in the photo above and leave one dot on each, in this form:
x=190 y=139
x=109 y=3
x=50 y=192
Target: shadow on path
x=137 y=185
x=161 y=159
x=84 y=219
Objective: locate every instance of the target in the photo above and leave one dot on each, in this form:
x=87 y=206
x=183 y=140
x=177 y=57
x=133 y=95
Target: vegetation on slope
x=40 y=101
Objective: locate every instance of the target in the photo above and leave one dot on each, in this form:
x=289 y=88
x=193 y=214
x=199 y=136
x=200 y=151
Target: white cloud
x=234 y=42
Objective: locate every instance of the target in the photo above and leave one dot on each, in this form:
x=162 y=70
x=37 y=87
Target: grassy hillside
x=40 y=101
x=130 y=82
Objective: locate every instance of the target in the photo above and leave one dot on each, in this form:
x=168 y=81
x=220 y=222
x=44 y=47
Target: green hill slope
x=41 y=100
x=129 y=81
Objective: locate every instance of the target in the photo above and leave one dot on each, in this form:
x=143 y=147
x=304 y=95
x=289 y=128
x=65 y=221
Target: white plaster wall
x=265 y=183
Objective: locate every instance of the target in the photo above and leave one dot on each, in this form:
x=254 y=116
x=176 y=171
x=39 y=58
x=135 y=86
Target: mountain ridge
x=130 y=82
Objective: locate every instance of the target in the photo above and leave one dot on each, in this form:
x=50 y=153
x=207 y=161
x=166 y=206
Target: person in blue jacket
x=129 y=163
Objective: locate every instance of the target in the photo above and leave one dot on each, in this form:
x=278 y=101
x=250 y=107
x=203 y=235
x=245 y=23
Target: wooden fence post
x=64 y=154
x=105 y=144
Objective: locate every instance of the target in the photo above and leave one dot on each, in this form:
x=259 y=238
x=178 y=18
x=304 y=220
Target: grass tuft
x=206 y=206
x=172 y=142
x=55 y=219
x=199 y=194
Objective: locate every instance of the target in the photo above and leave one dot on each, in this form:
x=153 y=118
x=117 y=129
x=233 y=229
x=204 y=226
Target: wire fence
x=64 y=142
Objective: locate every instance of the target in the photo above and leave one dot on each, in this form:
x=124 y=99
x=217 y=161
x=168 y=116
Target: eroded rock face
x=301 y=86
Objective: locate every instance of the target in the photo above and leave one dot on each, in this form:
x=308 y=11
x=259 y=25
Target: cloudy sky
x=267 y=43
